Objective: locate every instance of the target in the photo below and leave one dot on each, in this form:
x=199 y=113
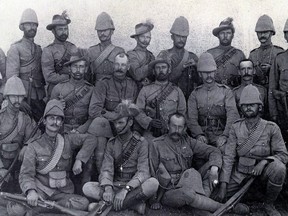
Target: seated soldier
x=45 y=169
x=256 y=148
x=124 y=178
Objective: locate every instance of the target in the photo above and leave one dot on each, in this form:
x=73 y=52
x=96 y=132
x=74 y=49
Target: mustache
x=176 y=134
x=263 y=38
x=121 y=71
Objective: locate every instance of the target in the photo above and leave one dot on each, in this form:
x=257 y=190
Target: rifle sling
x=253 y=137
x=9 y=135
x=224 y=57
x=76 y=97
x=37 y=53
x=65 y=57
x=104 y=54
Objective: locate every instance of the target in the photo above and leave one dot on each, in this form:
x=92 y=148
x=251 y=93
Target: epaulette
x=281 y=52
x=271 y=123
x=198 y=87
x=68 y=42
x=236 y=88
x=112 y=139
x=278 y=47
x=158 y=139
x=19 y=41
x=254 y=50
x=93 y=46
x=35 y=139
x=87 y=83
x=222 y=85
x=238 y=120
x=65 y=81
x=51 y=44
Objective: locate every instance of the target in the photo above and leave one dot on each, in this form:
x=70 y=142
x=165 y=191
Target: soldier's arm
x=48 y=68
x=153 y=158
x=13 y=62
x=182 y=102
x=273 y=85
x=107 y=169
x=97 y=101
x=142 y=173
x=142 y=118
x=137 y=71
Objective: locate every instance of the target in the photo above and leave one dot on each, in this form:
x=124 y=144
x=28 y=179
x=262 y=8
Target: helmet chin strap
x=126 y=126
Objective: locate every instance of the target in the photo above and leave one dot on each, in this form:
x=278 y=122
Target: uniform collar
x=50 y=140
x=56 y=41
x=160 y=83
x=210 y=88
x=28 y=40
x=224 y=47
x=265 y=46
x=139 y=48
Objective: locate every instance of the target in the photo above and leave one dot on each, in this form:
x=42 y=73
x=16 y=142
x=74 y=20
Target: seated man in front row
x=124 y=178
x=256 y=148
x=45 y=169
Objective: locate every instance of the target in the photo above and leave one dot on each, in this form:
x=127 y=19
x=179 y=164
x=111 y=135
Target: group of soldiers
x=80 y=126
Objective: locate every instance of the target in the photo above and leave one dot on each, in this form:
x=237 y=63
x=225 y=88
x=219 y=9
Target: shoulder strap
x=98 y=61
x=253 y=137
x=13 y=132
x=165 y=93
x=76 y=97
x=224 y=57
x=56 y=155
x=179 y=67
x=37 y=55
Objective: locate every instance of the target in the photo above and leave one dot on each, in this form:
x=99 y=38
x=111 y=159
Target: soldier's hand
x=221 y=141
x=63 y=102
x=202 y=138
x=259 y=168
x=32 y=197
x=220 y=196
x=77 y=168
x=108 y=194
x=156 y=123
x=119 y=198
x=156 y=206
x=21 y=154
x=213 y=177
x=189 y=63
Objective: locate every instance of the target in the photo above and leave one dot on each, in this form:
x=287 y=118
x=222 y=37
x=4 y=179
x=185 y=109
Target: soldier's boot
x=272 y=192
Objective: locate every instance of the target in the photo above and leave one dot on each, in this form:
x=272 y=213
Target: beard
x=62 y=37
x=162 y=77
x=30 y=33
x=225 y=42
x=77 y=76
x=250 y=113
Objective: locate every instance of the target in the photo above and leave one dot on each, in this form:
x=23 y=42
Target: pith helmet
x=57 y=19
x=163 y=57
x=54 y=107
x=142 y=28
x=286 y=26
x=250 y=95
x=180 y=27
x=14 y=86
x=100 y=127
x=206 y=63
x=104 y=22
x=28 y=16
x=225 y=24
x=265 y=23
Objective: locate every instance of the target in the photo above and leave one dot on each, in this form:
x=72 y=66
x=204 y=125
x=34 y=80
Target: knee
x=92 y=190
x=277 y=173
x=150 y=187
x=78 y=202
x=15 y=209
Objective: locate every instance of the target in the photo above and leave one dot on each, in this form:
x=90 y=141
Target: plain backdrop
x=203 y=16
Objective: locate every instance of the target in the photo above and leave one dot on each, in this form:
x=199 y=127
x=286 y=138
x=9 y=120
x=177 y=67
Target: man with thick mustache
x=58 y=53
x=227 y=57
x=140 y=56
x=102 y=55
x=264 y=55
x=247 y=72
x=211 y=106
x=24 y=60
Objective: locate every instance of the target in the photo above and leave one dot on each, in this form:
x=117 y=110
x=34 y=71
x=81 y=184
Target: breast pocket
x=42 y=161
x=171 y=104
x=168 y=162
x=284 y=73
x=261 y=149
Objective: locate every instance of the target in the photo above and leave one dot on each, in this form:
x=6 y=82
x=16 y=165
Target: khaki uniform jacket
x=136 y=166
x=108 y=93
x=39 y=151
x=174 y=102
x=18 y=56
x=270 y=146
x=106 y=67
x=226 y=73
x=207 y=105
x=77 y=114
x=53 y=54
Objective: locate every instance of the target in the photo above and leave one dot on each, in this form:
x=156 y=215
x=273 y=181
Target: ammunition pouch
x=9 y=150
x=246 y=165
x=57 y=179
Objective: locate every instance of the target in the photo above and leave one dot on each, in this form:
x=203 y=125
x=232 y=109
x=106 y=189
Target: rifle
x=234 y=199
x=102 y=209
x=42 y=203
x=157 y=131
x=281 y=101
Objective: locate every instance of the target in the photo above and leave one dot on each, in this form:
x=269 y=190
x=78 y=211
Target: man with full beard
x=58 y=53
x=227 y=57
x=256 y=148
x=24 y=60
x=247 y=71
x=159 y=99
x=211 y=106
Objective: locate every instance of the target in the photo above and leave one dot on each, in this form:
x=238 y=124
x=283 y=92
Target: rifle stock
x=157 y=131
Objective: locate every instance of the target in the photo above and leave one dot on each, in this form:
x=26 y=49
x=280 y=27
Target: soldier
x=58 y=53
x=247 y=72
x=211 y=106
x=140 y=56
x=171 y=163
x=125 y=178
x=264 y=55
x=24 y=60
x=278 y=87
x=76 y=94
x=15 y=128
x=103 y=54
x=45 y=169
x=159 y=99
x=227 y=57
x=183 y=71
x=256 y=148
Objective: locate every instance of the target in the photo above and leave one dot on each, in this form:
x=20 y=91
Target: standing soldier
x=183 y=71
x=47 y=163
x=103 y=54
x=15 y=128
x=140 y=56
x=159 y=99
x=227 y=57
x=76 y=94
x=264 y=55
x=24 y=60
x=125 y=177
x=278 y=88
x=211 y=106
x=58 y=53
